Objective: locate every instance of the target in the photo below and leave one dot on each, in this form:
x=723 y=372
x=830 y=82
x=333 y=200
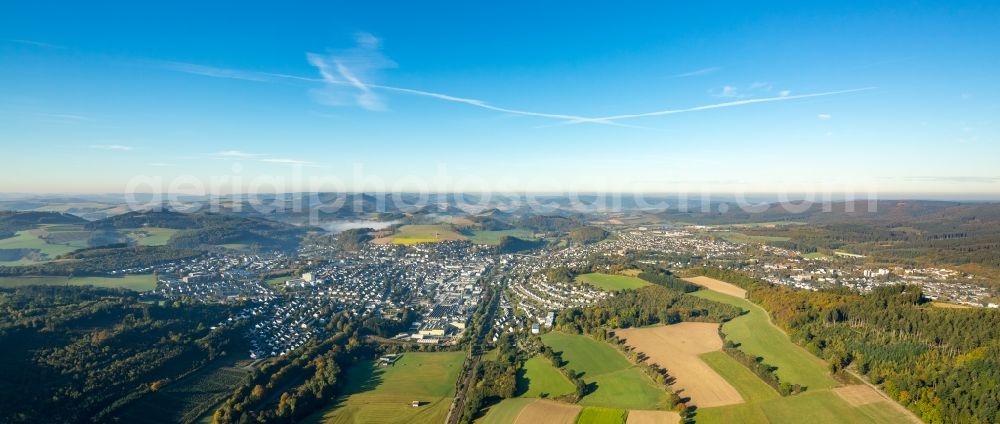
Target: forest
x=648 y=305
x=76 y=354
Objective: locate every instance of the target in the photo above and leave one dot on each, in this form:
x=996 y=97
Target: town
x=442 y=283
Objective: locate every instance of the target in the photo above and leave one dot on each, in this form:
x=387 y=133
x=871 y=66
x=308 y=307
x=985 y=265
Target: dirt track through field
x=636 y=416
x=546 y=411
x=676 y=348
x=719 y=286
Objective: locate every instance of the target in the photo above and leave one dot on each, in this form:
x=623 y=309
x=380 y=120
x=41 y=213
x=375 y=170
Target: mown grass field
x=492 y=238
x=140 y=282
x=619 y=384
x=413 y=234
x=375 y=394
x=597 y=415
x=539 y=377
x=757 y=336
x=751 y=387
x=612 y=282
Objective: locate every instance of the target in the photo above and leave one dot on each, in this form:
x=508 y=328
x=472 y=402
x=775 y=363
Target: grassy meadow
x=539 y=377
x=611 y=282
x=137 y=282
x=413 y=234
x=374 y=394
x=597 y=415
x=759 y=337
x=619 y=384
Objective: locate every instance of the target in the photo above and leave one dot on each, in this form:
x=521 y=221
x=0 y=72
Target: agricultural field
x=151 y=236
x=619 y=384
x=47 y=240
x=750 y=387
x=815 y=407
x=413 y=234
x=677 y=348
x=757 y=336
x=492 y=238
x=636 y=416
x=539 y=378
x=612 y=282
x=718 y=286
x=823 y=402
x=138 y=282
x=506 y=411
x=547 y=411
x=598 y=415
x=188 y=398
x=374 y=394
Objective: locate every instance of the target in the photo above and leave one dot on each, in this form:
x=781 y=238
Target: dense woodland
x=943 y=364
x=588 y=235
x=73 y=354
x=101 y=260
x=648 y=305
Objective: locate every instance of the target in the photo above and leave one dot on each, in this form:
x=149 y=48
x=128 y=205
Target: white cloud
x=288 y=161
x=824 y=116
x=118 y=147
x=352 y=69
x=785 y=93
x=698 y=73
x=236 y=154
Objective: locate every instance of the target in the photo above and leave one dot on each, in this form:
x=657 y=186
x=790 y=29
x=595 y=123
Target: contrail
x=565 y=119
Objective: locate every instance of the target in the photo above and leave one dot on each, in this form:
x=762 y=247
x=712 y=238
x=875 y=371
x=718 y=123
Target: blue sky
x=893 y=97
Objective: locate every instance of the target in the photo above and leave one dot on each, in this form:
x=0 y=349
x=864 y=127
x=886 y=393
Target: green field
x=29 y=239
x=611 y=282
x=619 y=384
x=757 y=336
x=151 y=236
x=493 y=237
x=751 y=387
x=816 y=255
x=412 y=234
x=597 y=415
x=505 y=412
x=814 y=407
x=539 y=377
x=375 y=394
x=139 y=282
